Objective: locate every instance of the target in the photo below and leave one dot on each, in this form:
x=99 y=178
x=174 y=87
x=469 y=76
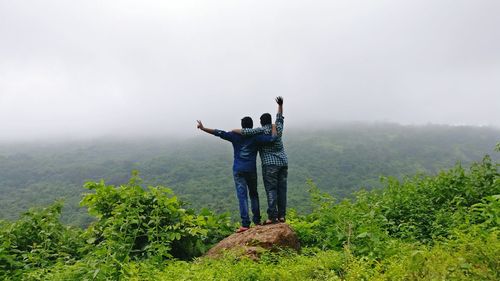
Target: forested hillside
x=339 y=159
x=441 y=227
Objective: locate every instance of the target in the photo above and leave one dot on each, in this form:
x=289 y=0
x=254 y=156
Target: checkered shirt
x=274 y=153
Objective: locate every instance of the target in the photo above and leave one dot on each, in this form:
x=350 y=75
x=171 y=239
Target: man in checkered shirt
x=274 y=164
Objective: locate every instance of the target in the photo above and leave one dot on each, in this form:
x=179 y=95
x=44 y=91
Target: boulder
x=256 y=240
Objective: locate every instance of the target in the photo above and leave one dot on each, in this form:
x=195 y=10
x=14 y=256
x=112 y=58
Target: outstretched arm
x=249 y=132
x=219 y=133
x=260 y=130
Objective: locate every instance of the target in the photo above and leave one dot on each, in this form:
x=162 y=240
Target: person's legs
x=251 y=178
x=282 y=190
x=241 y=193
x=270 y=176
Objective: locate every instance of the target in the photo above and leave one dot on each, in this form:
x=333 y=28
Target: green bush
x=37 y=239
x=421 y=209
x=426 y=207
x=136 y=223
x=357 y=225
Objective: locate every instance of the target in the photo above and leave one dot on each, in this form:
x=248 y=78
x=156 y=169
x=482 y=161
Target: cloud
x=93 y=68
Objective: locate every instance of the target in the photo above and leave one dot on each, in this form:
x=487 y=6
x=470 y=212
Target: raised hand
x=200 y=125
x=279 y=100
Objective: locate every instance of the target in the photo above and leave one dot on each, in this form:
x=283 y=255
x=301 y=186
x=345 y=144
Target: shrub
x=425 y=207
x=356 y=224
x=137 y=223
x=37 y=239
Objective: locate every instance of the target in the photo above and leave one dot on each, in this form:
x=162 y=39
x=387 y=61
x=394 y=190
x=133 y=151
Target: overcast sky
x=93 y=68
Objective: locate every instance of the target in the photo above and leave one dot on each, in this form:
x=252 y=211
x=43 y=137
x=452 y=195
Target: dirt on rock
x=253 y=242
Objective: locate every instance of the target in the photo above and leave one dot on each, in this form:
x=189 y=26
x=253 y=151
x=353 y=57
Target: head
x=247 y=123
x=265 y=119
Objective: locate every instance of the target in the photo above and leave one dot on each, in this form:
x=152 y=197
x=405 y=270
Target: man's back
x=245 y=149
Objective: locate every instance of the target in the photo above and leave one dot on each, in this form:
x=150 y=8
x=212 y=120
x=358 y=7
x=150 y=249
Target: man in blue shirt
x=244 y=168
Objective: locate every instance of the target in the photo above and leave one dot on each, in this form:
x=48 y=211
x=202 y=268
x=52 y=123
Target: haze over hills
x=71 y=70
x=339 y=159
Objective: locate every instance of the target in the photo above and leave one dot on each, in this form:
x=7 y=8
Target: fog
x=84 y=69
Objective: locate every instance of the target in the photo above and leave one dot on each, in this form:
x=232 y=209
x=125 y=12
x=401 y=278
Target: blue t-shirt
x=245 y=149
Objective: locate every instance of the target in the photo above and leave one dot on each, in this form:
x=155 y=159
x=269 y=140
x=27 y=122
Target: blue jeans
x=246 y=183
x=275 y=183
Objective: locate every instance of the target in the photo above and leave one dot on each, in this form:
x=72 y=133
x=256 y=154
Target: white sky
x=92 y=68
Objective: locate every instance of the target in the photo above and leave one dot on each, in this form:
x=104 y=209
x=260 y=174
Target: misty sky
x=93 y=68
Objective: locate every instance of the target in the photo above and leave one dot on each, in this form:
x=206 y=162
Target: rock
x=257 y=240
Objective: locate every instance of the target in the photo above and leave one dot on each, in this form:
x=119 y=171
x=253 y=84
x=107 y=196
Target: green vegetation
x=341 y=159
x=426 y=227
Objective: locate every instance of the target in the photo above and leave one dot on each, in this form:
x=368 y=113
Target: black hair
x=247 y=122
x=265 y=119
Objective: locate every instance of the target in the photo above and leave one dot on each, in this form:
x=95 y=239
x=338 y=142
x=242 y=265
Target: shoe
x=242 y=229
x=281 y=219
x=268 y=221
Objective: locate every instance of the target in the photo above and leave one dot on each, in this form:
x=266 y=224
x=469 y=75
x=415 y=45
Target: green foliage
x=37 y=239
x=422 y=209
x=441 y=227
x=137 y=223
x=425 y=207
x=465 y=258
x=131 y=224
x=486 y=213
x=354 y=225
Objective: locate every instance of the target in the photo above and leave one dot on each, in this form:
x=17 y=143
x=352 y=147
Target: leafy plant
x=37 y=239
x=356 y=225
x=137 y=223
x=425 y=207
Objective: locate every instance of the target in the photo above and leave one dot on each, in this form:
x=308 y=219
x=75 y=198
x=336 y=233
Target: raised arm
x=279 y=116
x=279 y=101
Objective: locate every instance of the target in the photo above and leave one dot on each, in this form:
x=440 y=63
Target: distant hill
x=339 y=159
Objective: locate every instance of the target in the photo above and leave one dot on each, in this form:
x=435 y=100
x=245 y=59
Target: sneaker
x=268 y=221
x=242 y=229
x=281 y=219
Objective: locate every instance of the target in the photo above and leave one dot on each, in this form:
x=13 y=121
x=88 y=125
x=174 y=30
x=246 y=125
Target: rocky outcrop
x=257 y=240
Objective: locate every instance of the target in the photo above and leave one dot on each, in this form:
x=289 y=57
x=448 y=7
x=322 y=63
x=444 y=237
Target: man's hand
x=206 y=130
x=279 y=100
x=200 y=125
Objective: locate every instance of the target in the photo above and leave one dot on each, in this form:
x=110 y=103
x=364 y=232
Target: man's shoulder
x=251 y=139
x=236 y=137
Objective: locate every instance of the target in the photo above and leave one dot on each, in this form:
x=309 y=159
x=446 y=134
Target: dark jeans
x=247 y=181
x=275 y=178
